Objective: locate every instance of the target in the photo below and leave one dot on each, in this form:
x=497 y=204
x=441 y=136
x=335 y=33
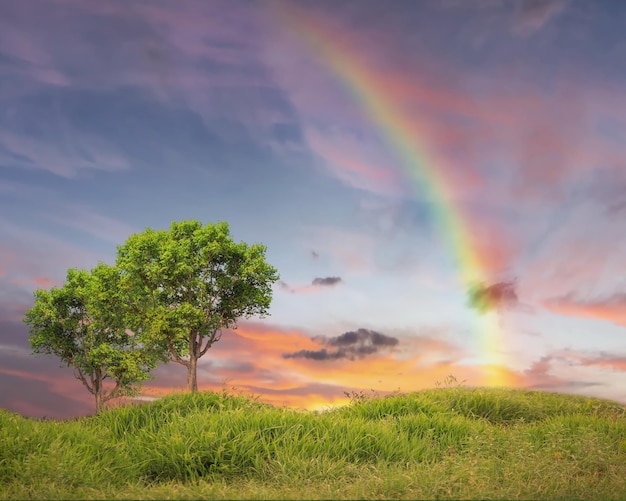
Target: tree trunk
x=192 y=381
x=99 y=402
x=97 y=391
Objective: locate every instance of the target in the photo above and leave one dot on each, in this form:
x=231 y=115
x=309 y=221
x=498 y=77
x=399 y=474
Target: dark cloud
x=322 y=354
x=497 y=296
x=351 y=338
x=327 y=281
x=284 y=286
x=314 y=286
x=350 y=345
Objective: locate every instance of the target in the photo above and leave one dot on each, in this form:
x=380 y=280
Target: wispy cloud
x=532 y=15
x=611 y=308
x=86 y=220
x=29 y=255
x=58 y=156
x=354 y=160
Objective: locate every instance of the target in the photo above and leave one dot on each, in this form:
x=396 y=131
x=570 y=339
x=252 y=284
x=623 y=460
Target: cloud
x=322 y=354
x=326 y=281
x=606 y=360
x=85 y=220
x=611 y=308
x=29 y=254
x=497 y=296
x=570 y=371
x=349 y=345
x=575 y=256
x=355 y=159
x=532 y=15
x=351 y=250
x=360 y=336
x=43 y=281
x=284 y=286
x=316 y=285
x=90 y=96
x=548 y=140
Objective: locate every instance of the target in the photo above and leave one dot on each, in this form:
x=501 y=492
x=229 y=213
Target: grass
x=448 y=443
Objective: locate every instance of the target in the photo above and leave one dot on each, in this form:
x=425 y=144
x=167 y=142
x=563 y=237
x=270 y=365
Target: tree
x=83 y=323
x=185 y=285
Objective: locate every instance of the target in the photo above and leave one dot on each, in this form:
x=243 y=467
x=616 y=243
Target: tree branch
x=215 y=336
x=176 y=356
x=78 y=374
x=114 y=393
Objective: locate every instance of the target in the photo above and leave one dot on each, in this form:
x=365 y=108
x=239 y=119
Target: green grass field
x=447 y=443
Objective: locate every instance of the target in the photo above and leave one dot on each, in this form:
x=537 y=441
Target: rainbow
x=402 y=134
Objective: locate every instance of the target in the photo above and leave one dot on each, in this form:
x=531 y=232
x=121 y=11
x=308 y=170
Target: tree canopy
x=84 y=324
x=186 y=285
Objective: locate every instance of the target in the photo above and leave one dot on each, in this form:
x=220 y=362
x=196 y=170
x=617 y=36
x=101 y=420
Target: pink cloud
x=612 y=308
x=580 y=255
x=540 y=375
x=43 y=281
x=610 y=362
x=509 y=152
x=354 y=161
x=465 y=123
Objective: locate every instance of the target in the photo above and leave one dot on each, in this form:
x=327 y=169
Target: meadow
x=444 y=443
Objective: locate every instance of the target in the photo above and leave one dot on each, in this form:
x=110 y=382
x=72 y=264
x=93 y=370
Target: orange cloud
x=251 y=360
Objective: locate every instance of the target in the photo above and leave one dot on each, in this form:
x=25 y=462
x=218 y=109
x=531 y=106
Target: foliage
x=188 y=284
x=83 y=324
x=425 y=445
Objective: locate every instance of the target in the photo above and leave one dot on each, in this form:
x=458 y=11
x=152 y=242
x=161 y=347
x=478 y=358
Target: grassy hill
x=440 y=443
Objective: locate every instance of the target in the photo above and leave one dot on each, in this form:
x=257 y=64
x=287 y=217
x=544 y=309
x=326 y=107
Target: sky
x=386 y=153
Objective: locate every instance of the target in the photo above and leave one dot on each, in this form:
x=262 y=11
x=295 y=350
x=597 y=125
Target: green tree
x=185 y=285
x=83 y=323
